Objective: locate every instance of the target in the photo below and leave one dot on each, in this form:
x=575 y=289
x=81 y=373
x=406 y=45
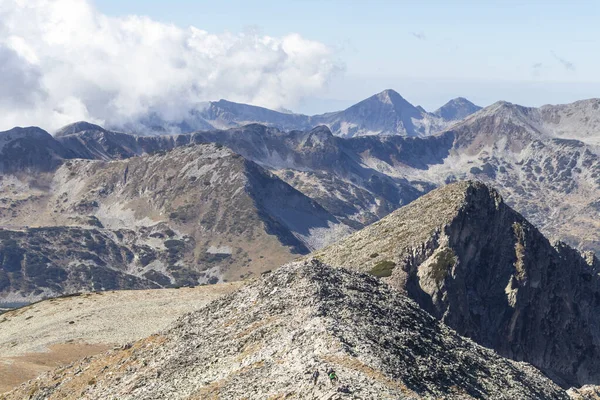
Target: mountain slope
x=196 y=214
x=276 y=331
x=481 y=268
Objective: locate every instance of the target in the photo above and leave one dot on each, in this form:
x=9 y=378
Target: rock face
x=196 y=214
x=480 y=267
x=274 y=333
x=456 y=109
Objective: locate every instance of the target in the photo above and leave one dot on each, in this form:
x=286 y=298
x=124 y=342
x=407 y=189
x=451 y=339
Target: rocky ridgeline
x=196 y=214
x=481 y=268
x=267 y=339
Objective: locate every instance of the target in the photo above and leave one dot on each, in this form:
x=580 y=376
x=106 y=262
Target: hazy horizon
x=107 y=60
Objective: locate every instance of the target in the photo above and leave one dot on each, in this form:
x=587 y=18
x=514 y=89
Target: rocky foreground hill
x=267 y=339
x=482 y=269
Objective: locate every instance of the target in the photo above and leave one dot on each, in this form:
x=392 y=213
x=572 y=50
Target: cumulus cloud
x=63 y=61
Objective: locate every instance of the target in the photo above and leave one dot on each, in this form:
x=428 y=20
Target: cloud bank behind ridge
x=62 y=61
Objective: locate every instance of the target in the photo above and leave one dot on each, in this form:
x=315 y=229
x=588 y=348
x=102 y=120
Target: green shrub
x=444 y=261
x=383 y=269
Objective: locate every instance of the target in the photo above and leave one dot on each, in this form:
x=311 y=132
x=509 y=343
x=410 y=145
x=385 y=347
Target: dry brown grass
x=77 y=378
x=16 y=370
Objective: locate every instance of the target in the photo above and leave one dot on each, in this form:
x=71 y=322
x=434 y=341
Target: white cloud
x=64 y=61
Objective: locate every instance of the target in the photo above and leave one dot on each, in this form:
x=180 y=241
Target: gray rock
x=267 y=339
x=480 y=267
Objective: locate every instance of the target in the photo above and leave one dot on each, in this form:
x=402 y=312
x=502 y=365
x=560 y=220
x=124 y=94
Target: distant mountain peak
x=456 y=109
x=389 y=96
x=78 y=127
x=393 y=98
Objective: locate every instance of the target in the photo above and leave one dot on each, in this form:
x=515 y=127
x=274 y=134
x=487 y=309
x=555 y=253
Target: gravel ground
x=89 y=323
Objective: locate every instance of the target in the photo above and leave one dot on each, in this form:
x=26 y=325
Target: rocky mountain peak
x=78 y=127
x=385 y=113
x=456 y=109
x=30 y=148
x=284 y=326
x=480 y=267
x=386 y=99
x=320 y=136
x=390 y=96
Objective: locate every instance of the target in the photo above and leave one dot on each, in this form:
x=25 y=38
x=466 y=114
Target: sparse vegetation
x=383 y=269
x=444 y=261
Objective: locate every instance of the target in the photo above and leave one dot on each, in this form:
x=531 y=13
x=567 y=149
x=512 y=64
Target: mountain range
x=445 y=254
x=458 y=254
x=220 y=205
x=386 y=113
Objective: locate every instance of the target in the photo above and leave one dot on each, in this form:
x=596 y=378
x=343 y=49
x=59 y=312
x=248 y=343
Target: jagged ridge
x=480 y=267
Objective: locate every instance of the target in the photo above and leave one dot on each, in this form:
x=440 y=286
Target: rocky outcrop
x=587 y=392
x=275 y=332
x=480 y=267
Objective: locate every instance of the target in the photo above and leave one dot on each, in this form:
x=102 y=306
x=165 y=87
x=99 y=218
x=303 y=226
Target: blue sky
x=112 y=62
x=531 y=53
